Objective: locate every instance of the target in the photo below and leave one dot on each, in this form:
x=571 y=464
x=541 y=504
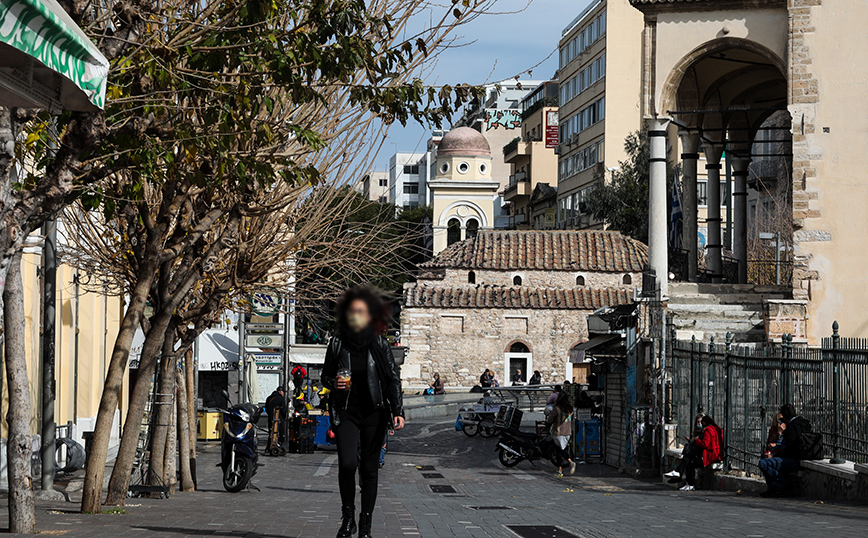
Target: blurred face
x=358 y=315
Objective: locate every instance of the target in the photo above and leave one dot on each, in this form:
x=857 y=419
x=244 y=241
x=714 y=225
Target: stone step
x=712 y=309
x=721 y=325
x=727 y=298
x=753 y=336
x=680 y=288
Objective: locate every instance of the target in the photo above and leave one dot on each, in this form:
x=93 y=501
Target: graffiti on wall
x=507 y=119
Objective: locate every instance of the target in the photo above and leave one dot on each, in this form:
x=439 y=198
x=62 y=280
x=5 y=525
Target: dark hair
x=376 y=306
x=788 y=412
x=708 y=421
x=564 y=405
x=558 y=388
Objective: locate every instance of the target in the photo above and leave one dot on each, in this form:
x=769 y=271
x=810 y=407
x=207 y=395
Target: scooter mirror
x=226 y=395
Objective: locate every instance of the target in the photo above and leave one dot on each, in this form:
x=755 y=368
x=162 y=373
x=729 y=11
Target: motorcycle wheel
x=508 y=459
x=470 y=428
x=236 y=478
x=487 y=428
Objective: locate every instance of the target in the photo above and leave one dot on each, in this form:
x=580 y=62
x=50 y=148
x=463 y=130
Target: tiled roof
x=422 y=296
x=556 y=250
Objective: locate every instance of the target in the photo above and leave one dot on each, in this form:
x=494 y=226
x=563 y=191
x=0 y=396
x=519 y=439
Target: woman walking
x=366 y=400
x=561 y=422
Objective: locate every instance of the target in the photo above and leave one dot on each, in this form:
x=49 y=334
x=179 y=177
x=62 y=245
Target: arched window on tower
x=471 y=277
x=580 y=280
x=472 y=228
x=453 y=231
x=627 y=280
x=516 y=280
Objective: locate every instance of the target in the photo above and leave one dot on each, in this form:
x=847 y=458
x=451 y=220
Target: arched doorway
x=728 y=98
x=518 y=361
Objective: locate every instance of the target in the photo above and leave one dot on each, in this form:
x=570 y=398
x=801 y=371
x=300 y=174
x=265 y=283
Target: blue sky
x=500 y=46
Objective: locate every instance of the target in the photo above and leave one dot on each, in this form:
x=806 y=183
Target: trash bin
x=209 y=425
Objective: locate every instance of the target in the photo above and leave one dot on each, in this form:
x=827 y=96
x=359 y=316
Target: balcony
x=519 y=185
x=519 y=147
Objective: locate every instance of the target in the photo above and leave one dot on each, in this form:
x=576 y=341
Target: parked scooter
x=239 y=457
x=516 y=446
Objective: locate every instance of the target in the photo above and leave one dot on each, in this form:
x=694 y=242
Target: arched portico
x=720 y=97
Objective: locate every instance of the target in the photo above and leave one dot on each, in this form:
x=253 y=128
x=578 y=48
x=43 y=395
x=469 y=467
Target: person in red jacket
x=710 y=443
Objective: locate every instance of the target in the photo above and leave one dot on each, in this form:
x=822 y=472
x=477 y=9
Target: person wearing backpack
x=798 y=442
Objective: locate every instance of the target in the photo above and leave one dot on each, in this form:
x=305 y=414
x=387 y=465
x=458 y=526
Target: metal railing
x=743 y=387
x=769 y=272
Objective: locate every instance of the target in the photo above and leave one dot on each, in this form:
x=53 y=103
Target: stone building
x=714 y=72
x=509 y=300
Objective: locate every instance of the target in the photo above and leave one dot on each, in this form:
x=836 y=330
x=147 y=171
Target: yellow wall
x=99 y=318
x=834 y=164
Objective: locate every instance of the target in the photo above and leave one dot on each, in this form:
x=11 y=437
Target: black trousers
x=359 y=441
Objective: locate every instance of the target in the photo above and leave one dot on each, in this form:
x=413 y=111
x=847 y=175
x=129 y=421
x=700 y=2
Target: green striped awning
x=46 y=61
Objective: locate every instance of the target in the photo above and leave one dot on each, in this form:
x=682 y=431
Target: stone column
x=689 y=157
x=658 y=235
x=739 y=214
x=713 y=152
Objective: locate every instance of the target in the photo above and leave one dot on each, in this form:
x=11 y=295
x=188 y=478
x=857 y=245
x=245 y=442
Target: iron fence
x=743 y=387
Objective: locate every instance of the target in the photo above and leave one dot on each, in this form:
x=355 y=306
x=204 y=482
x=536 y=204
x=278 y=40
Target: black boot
x=365 y=525
x=348 y=522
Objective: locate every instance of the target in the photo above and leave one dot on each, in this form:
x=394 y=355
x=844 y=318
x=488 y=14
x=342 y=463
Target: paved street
x=299 y=499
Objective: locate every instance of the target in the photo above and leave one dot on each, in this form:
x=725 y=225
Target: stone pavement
x=299 y=499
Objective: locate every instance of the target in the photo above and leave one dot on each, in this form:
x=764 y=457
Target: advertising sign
x=552 y=129
x=264 y=340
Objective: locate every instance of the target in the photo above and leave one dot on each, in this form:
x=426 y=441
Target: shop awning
x=578 y=352
x=46 y=61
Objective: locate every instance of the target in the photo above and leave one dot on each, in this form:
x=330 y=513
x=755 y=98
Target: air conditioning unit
x=574 y=138
x=557 y=149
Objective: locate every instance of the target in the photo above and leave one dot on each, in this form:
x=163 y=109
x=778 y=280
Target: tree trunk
x=170 y=462
x=120 y=479
x=19 y=449
x=108 y=404
x=163 y=410
x=185 y=455
x=192 y=415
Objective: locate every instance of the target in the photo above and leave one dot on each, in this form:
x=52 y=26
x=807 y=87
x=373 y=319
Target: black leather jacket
x=384 y=384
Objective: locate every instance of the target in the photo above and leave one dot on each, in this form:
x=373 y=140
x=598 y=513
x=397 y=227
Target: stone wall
x=542 y=279
x=461 y=343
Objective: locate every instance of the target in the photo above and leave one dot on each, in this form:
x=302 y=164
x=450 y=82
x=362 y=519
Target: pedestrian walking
x=561 y=422
x=366 y=398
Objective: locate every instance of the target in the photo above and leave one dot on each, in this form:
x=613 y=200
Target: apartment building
x=498 y=118
x=409 y=174
x=375 y=186
x=599 y=103
x=405 y=189
x=531 y=155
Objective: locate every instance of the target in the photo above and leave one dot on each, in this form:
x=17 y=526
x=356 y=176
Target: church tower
x=462 y=190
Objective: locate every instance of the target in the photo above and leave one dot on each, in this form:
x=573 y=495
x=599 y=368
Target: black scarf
x=365 y=340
